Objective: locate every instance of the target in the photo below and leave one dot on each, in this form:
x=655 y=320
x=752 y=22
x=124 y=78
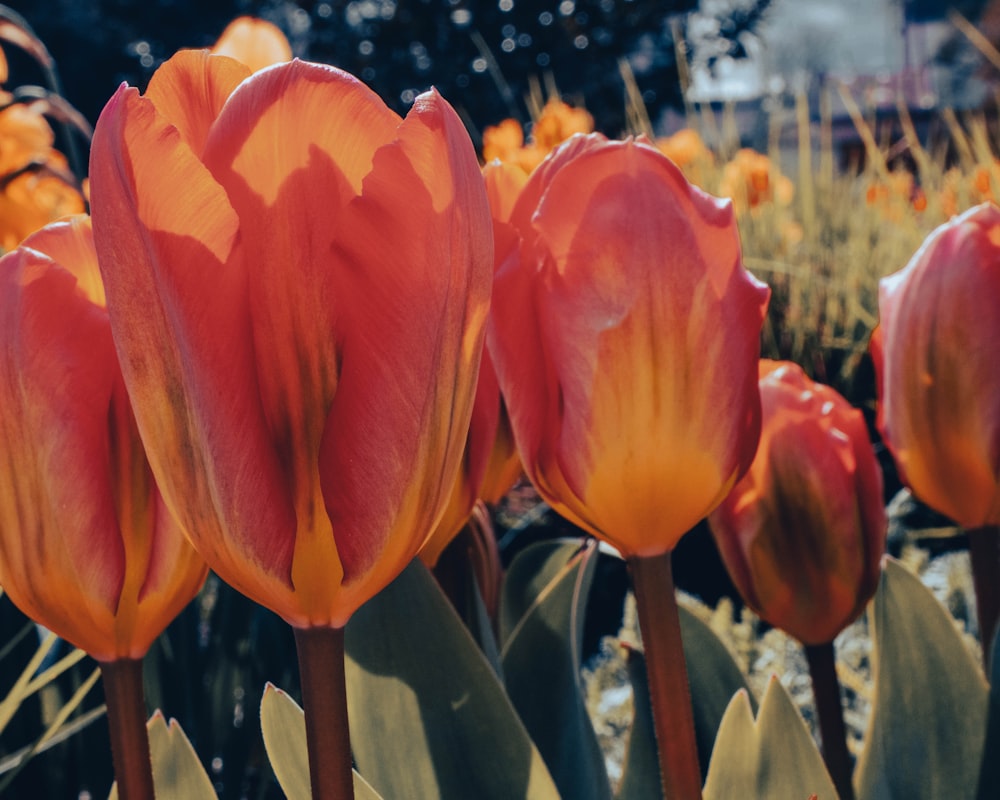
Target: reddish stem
x=984 y=552
x=324 y=698
x=830 y=712
x=670 y=695
x=126 y=702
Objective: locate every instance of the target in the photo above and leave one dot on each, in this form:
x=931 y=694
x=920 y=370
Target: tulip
x=301 y=335
x=625 y=333
x=625 y=336
x=803 y=532
x=936 y=358
x=490 y=465
x=254 y=42
x=87 y=547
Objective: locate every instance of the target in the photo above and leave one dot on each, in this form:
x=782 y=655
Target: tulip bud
x=936 y=355
x=802 y=534
x=625 y=333
x=87 y=547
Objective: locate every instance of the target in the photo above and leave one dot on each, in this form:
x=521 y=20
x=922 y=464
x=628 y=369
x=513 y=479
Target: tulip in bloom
x=802 y=534
x=936 y=355
x=490 y=465
x=87 y=547
x=625 y=333
x=298 y=283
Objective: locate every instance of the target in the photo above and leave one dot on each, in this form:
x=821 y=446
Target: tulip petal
x=190 y=90
x=58 y=513
x=940 y=400
x=428 y=294
x=179 y=311
x=70 y=243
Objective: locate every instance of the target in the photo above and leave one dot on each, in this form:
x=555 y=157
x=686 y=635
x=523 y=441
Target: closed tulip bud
x=87 y=547
x=936 y=355
x=301 y=334
x=802 y=534
x=625 y=333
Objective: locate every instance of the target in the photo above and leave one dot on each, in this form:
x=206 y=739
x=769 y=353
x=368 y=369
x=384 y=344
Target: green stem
x=830 y=712
x=324 y=698
x=984 y=552
x=670 y=696
x=126 y=702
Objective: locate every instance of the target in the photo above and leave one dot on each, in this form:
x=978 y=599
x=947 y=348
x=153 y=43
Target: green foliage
x=542 y=614
x=925 y=735
x=714 y=678
x=428 y=715
x=772 y=758
x=177 y=772
x=284 y=727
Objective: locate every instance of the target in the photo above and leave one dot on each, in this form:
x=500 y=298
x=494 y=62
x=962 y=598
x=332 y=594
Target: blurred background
x=488 y=56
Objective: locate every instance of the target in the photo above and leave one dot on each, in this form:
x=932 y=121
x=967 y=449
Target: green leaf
x=774 y=758
x=177 y=772
x=641 y=770
x=428 y=716
x=548 y=584
x=714 y=678
x=989 y=772
x=925 y=735
x=284 y=728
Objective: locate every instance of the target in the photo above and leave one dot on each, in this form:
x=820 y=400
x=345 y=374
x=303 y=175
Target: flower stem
x=830 y=711
x=984 y=551
x=670 y=695
x=324 y=698
x=126 y=702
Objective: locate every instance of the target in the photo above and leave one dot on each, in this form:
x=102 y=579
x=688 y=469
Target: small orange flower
x=802 y=534
x=558 y=122
x=936 y=357
x=36 y=186
x=254 y=42
x=300 y=336
x=752 y=180
x=87 y=547
x=625 y=333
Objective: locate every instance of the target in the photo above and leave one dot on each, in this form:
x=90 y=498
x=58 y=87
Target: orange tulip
x=301 y=335
x=87 y=547
x=936 y=358
x=490 y=465
x=625 y=334
x=254 y=42
x=802 y=534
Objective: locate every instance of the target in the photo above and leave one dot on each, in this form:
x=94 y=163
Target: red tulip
x=625 y=333
x=802 y=534
x=298 y=282
x=87 y=547
x=936 y=356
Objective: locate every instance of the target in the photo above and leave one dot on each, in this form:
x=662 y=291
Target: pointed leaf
x=284 y=728
x=428 y=716
x=774 y=757
x=177 y=772
x=925 y=735
x=714 y=678
x=541 y=661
